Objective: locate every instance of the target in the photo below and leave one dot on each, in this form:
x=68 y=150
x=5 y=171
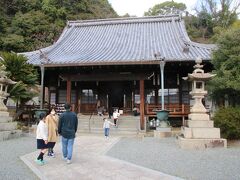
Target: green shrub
x=228 y=120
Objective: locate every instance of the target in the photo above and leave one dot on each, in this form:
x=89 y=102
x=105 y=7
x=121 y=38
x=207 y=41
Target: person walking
x=67 y=128
x=106 y=127
x=42 y=139
x=115 y=116
x=52 y=123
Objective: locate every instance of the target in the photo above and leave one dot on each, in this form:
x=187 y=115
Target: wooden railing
x=176 y=110
x=88 y=108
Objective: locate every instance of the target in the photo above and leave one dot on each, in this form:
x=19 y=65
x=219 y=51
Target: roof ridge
x=123 y=20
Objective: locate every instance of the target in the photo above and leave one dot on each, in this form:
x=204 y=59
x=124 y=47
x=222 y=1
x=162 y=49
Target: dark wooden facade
x=121 y=87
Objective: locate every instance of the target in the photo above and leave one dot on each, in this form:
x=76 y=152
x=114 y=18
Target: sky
x=138 y=7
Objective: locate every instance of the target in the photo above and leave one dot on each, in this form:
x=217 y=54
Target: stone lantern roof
x=3 y=76
x=198 y=73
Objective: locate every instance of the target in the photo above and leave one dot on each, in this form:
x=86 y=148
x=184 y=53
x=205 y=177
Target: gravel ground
x=11 y=166
x=164 y=155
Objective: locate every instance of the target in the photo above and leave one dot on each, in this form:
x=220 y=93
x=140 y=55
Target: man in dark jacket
x=67 y=128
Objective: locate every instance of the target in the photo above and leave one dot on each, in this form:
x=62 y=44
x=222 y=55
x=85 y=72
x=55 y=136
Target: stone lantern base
x=162 y=132
x=7 y=127
x=185 y=143
x=200 y=134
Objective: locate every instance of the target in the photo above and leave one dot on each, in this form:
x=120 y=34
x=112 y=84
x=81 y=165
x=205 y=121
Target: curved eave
x=150 y=62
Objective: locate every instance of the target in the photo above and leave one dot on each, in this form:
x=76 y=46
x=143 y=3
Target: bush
x=228 y=120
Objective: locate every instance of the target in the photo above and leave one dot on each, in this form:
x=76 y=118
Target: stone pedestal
x=185 y=143
x=162 y=132
x=7 y=127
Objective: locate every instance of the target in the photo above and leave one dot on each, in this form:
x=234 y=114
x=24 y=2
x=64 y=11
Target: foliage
x=26 y=25
x=23 y=73
x=226 y=61
x=213 y=17
x=228 y=120
x=166 y=7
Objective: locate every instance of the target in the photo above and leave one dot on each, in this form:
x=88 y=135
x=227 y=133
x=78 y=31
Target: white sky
x=138 y=7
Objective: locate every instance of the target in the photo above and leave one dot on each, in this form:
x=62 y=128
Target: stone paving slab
x=90 y=162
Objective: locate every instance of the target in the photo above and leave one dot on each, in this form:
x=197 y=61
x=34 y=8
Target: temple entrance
x=116 y=94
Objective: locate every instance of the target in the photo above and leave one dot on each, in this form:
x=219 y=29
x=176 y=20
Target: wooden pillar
x=180 y=88
x=142 y=102
x=133 y=103
x=69 y=91
x=156 y=88
x=77 y=97
x=156 y=96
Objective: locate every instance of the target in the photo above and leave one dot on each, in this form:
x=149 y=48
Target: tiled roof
x=121 y=41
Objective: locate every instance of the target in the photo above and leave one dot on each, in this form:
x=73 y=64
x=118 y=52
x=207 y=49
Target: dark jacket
x=68 y=124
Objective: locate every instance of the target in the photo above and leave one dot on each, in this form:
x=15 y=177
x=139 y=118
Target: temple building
x=114 y=64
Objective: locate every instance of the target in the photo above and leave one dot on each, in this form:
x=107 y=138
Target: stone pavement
x=89 y=162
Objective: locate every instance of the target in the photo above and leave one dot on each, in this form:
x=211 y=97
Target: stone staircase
x=7 y=127
x=127 y=125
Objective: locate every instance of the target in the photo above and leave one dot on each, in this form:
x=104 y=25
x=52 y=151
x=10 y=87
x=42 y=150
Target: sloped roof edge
x=167 y=34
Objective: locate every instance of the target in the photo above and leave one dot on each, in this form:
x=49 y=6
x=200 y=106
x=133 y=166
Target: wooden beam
x=124 y=76
x=68 y=91
x=142 y=102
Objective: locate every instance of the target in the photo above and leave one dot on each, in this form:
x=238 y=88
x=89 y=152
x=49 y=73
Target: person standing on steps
x=67 y=128
x=115 y=116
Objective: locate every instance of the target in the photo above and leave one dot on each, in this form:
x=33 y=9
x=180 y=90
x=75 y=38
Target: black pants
x=115 y=122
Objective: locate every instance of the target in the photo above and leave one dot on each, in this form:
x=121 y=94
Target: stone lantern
x=4 y=83
x=7 y=127
x=199 y=131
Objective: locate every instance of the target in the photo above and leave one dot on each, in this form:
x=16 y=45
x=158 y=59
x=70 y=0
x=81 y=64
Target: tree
x=226 y=61
x=214 y=16
x=34 y=24
x=223 y=12
x=167 y=7
x=23 y=73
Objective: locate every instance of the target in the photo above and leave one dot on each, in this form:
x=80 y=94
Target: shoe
x=44 y=162
x=69 y=161
x=64 y=158
x=39 y=162
x=51 y=155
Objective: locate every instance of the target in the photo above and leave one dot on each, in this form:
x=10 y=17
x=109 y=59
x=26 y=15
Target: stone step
x=101 y=117
x=101 y=121
x=5 y=135
x=8 y=126
x=112 y=127
x=5 y=119
x=4 y=113
x=201 y=133
x=101 y=131
x=201 y=143
x=199 y=123
x=101 y=125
